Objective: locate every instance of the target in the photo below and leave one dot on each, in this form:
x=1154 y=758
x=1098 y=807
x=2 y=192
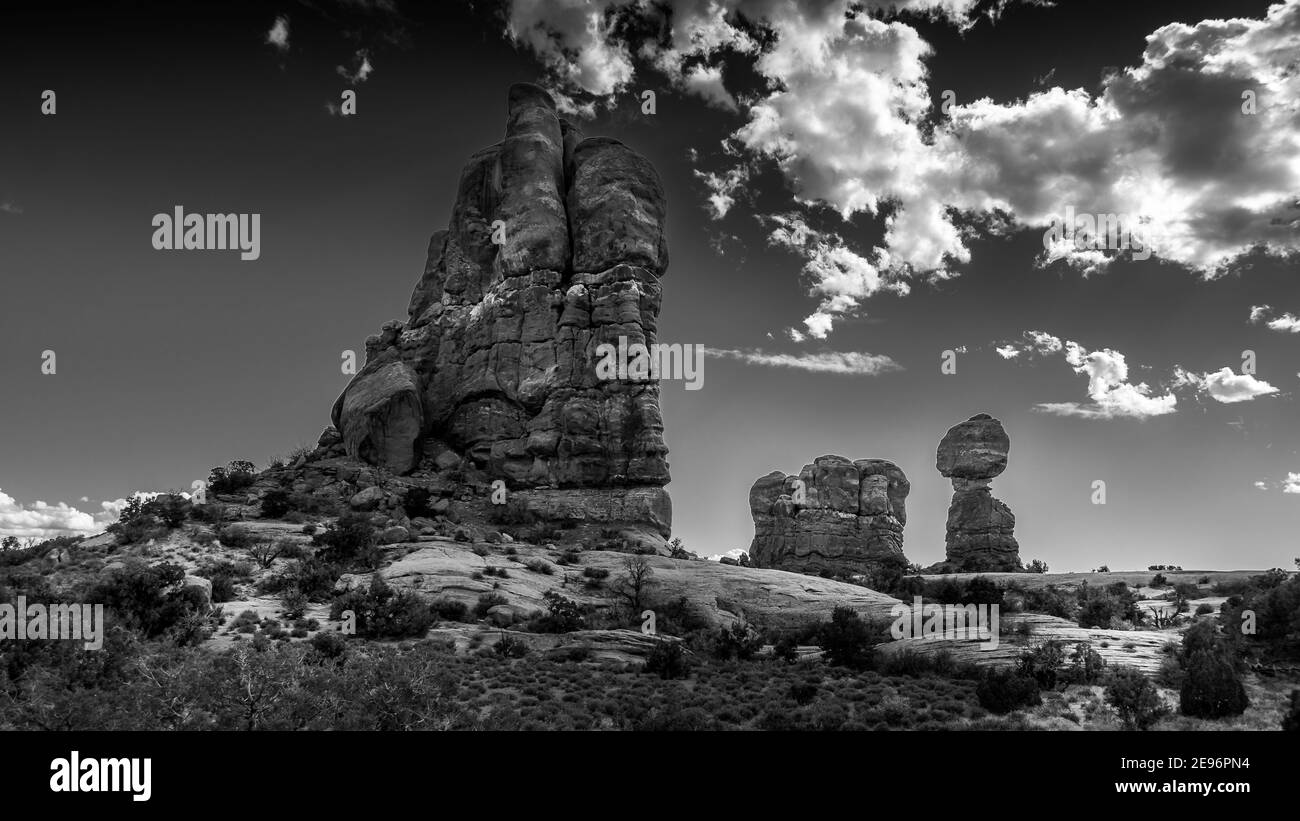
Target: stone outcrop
x=837 y=517
x=555 y=245
x=980 y=526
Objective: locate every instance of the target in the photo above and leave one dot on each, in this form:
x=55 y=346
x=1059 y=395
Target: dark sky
x=169 y=363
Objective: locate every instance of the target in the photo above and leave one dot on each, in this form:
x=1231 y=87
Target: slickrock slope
x=844 y=518
x=980 y=526
x=555 y=245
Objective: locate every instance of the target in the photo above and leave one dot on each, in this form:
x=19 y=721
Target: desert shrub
x=514 y=512
x=329 y=645
x=667 y=659
x=1135 y=700
x=309 y=529
x=596 y=573
x=785 y=649
x=981 y=590
x=224 y=574
x=1050 y=600
x=313 y=576
x=382 y=612
x=1086 y=664
x=569 y=557
x=1099 y=606
x=213 y=513
x=350 y=541
x=678 y=617
x=1204 y=608
x=846 y=639
x=294 y=603
x=264 y=552
x=450 y=609
x=486 y=601
x=236 y=537
x=275 y=503
x=1001 y=691
x=1211 y=686
x=563 y=615
x=1043 y=664
x=511 y=647
x=1159 y=580
x=1291 y=721
x=736 y=642
x=231 y=479
x=803 y=692
x=416 y=503
x=1037 y=566
x=540 y=566
x=149 y=599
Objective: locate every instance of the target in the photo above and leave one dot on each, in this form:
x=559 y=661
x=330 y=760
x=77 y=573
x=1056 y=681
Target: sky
x=853 y=189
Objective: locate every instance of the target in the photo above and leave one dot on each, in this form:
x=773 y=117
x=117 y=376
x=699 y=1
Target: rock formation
x=555 y=245
x=837 y=517
x=980 y=526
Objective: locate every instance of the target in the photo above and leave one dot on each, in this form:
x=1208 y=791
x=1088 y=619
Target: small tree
x=634 y=583
x=1037 y=566
x=1135 y=700
x=264 y=552
x=846 y=639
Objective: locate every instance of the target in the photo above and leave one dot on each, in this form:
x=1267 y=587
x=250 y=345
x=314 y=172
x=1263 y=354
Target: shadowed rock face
x=980 y=526
x=495 y=362
x=837 y=516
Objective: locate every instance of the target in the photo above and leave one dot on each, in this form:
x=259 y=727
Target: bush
x=149 y=599
x=1159 y=580
x=1037 y=566
x=596 y=573
x=351 y=540
x=224 y=574
x=540 y=566
x=1211 y=686
x=236 y=537
x=313 y=576
x=383 y=613
x=275 y=503
x=1203 y=608
x=1135 y=700
x=511 y=647
x=450 y=609
x=1086 y=664
x=1001 y=691
x=329 y=645
x=667 y=659
x=1043 y=664
x=563 y=615
x=846 y=639
x=486 y=601
x=231 y=479
x=785 y=649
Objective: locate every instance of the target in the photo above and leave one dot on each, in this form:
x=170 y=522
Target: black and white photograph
x=589 y=369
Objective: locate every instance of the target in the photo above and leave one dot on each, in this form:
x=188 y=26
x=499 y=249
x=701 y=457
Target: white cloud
x=11 y=207
x=723 y=188
x=1282 y=323
x=734 y=553
x=1007 y=351
x=706 y=83
x=1110 y=392
x=363 y=69
x=1224 y=385
x=1292 y=483
x=843 y=362
x=1261 y=485
x=845 y=114
x=44 y=521
x=278 y=36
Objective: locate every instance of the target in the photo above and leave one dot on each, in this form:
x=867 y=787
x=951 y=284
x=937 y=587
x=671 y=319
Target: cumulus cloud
x=1112 y=395
x=734 y=553
x=843 y=362
x=1167 y=145
x=1224 y=385
x=44 y=521
x=278 y=36
x=1282 y=323
x=1291 y=484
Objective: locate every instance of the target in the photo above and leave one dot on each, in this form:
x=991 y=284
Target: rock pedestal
x=837 y=517
x=555 y=245
x=980 y=526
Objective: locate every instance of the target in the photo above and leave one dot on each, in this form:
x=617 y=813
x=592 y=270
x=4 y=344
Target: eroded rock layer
x=837 y=517
x=555 y=245
x=980 y=526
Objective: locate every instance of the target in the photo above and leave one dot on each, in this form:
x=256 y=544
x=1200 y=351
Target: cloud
x=278 y=36
x=723 y=188
x=1261 y=485
x=1224 y=385
x=1282 y=323
x=1166 y=144
x=44 y=521
x=1291 y=484
x=1111 y=394
x=11 y=207
x=362 y=71
x=843 y=362
x=734 y=553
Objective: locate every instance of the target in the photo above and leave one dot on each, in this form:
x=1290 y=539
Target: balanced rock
x=555 y=246
x=980 y=526
x=837 y=517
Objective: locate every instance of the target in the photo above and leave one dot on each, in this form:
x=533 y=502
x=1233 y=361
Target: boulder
x=368 y=499
x=837 y=517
